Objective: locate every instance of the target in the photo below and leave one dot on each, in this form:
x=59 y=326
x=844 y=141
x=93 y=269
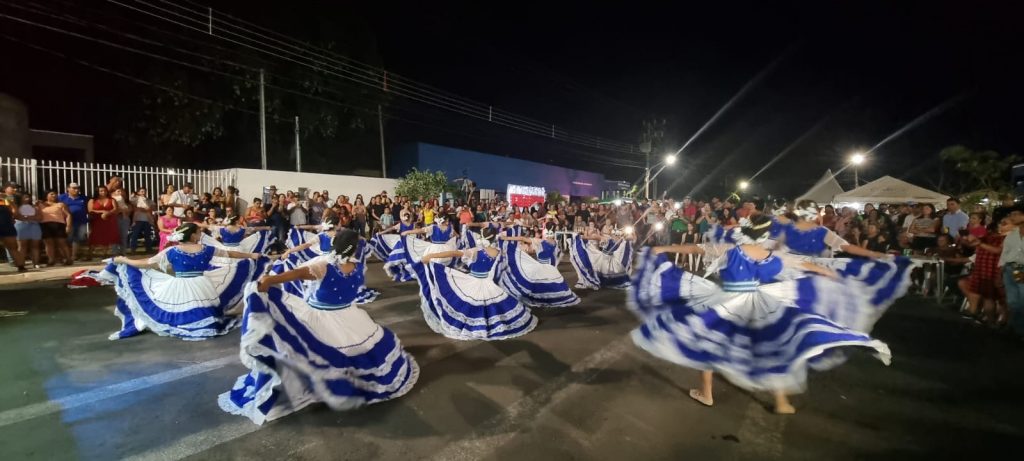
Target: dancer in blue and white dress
x=606 y=262
x=319 y=347
x=442 y=237
x=759 y=333
x=178 y=293
x=884 y=278
x=534 y=282
x=383 y=242
x=322 y=245
x=467 y=306
x=233 y=237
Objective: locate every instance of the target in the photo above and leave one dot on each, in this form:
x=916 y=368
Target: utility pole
x=298 y=147
x=263 y=126
x=650 y=137
x=380 y=126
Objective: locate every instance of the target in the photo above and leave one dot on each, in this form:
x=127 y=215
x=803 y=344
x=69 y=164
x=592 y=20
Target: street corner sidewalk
x=10 y=277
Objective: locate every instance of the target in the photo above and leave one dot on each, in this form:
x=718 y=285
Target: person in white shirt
x=297 y=212
x=182 y=200
x=1011 y=263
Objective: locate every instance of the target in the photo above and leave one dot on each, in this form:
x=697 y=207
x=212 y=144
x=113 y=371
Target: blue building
x=494 y=171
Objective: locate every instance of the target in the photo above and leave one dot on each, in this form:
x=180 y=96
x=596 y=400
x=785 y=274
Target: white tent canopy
x=824 y=190
x=888 y=189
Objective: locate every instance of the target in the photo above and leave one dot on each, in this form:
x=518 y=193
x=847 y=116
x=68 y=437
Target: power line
x=230 y=75
x=325 y=61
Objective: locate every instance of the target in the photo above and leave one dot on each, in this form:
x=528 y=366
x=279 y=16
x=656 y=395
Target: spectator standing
x=182 y=200
x=359 y=215
x=924 y=229
x=56 y=225
x=103 y=222
x=167 y=196
x=143 y=217
x=276 y=218
x=218 y=200
x=27 y=225
x=316 y=209
x=297 y=212
x=982 y=287
x=8 y=232
x=78 y=206
x=955 y=219
x=976 y=225
x=124 y=218
x=1011 y=260
x=465 y=215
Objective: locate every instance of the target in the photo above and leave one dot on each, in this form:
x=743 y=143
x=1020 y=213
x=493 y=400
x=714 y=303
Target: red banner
x=523 y=200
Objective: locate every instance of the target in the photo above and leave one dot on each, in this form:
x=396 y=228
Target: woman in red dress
x=103 y=229
x=983 y=288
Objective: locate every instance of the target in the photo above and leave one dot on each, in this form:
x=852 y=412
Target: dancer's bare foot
x=699 y=396
x=782 y=405
x=785 y=409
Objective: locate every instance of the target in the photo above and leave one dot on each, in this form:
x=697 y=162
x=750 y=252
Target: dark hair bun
x=345 y=242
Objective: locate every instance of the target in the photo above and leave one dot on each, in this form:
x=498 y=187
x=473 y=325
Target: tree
x=554 y=197
x=978 y=172
x=427 y=184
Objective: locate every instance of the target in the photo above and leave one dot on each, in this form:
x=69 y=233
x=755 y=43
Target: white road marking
x=500 y=429
x=35 y=410
x=206 y=439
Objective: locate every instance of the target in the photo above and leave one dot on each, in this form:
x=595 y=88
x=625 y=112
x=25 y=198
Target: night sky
x=835 y=76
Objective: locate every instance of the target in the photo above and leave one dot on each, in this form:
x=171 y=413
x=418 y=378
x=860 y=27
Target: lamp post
x=856 y=159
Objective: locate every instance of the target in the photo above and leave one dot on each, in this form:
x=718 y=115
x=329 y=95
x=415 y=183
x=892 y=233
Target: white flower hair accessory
x=176 y=236
x=810 y=212
x=336 y=259
x=326 y=226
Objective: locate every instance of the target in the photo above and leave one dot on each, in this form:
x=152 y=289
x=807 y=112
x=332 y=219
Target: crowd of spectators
x=64 y=226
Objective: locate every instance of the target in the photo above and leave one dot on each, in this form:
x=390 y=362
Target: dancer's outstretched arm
x=137 y=263
x=422 y=230
x=300 y=273
x=442 y=254
x=686 y=249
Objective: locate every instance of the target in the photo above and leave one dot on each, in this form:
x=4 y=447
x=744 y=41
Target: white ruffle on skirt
x=760 y=340
x=535 y=284
x=299 y=355
x=191 y=308
x=596 y=269
x=382 y=244
x=461 y=306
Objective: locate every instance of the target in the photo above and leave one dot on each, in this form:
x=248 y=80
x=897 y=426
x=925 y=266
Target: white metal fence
x=39 y=176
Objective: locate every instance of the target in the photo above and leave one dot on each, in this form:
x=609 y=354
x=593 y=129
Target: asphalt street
x=575 y=388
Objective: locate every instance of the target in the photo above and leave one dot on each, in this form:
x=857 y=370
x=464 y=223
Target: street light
x=670 y=159
x=744 y=185
x=856 y=159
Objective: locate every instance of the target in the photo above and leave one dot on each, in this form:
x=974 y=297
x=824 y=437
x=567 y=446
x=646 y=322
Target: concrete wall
x=250 y=183
x=494 y=172
x=14 y=135
x=81 y=142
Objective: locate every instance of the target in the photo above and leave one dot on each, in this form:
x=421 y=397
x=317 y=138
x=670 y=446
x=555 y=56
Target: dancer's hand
x=262 y=286
x=254 y=255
